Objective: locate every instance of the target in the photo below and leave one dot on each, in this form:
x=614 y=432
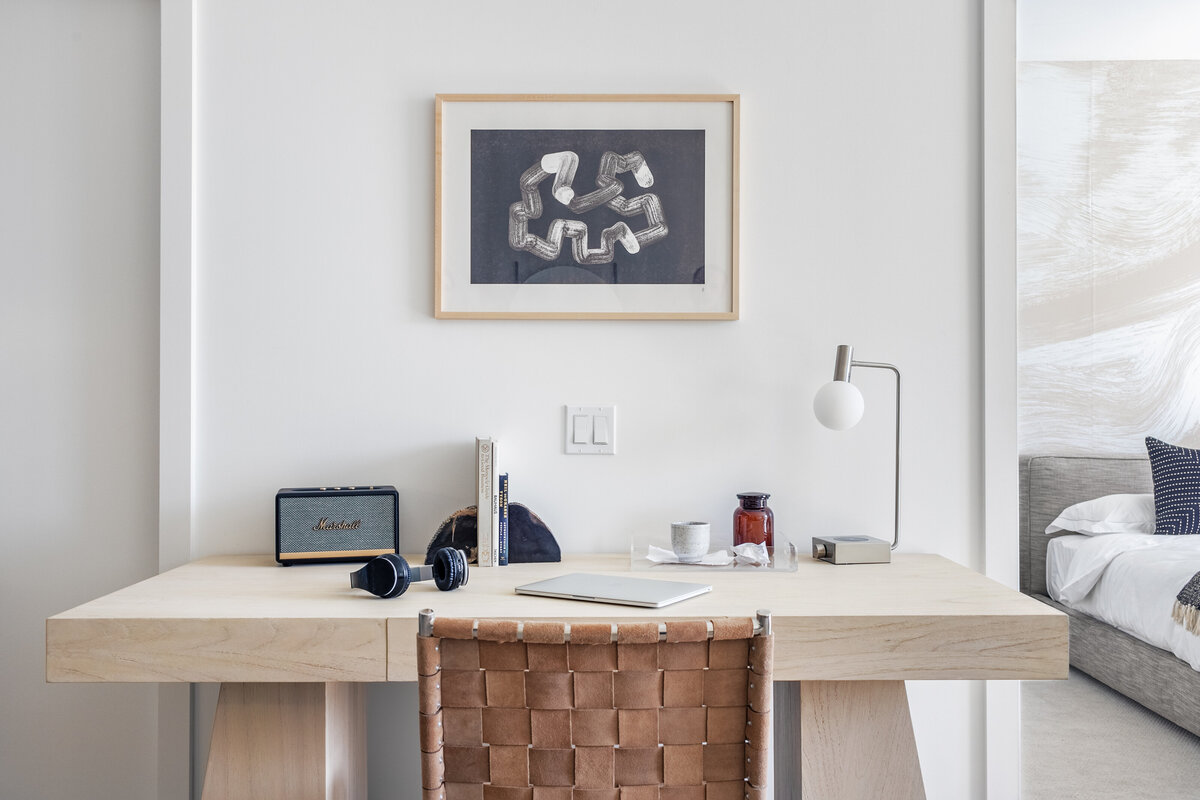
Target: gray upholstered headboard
x=1050 y=484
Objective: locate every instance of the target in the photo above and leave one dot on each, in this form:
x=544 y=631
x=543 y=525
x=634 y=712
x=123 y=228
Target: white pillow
x=1114 y=513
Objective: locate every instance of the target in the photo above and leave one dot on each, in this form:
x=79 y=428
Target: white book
x=485 y=481
x=495 y=523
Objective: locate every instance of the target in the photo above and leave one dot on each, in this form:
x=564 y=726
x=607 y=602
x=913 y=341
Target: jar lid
x=753 y=499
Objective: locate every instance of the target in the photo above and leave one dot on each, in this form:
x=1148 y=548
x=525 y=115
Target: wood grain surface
x=299 y=741
x=243 y=618
x=856 y=741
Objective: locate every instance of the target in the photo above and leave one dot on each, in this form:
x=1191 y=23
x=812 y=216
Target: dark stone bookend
x=458 y=531
x=529 y=539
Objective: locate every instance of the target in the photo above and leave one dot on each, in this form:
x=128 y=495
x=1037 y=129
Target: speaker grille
x=299 y=515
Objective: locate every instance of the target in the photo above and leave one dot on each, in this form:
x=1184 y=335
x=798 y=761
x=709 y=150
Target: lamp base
x=851 y=550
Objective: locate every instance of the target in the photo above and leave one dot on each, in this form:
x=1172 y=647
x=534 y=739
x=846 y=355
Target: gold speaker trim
x=337 y=553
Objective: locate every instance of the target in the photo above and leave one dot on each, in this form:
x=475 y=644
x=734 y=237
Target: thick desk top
x=243 y=618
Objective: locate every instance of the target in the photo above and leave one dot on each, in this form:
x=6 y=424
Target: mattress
x=1129 y=581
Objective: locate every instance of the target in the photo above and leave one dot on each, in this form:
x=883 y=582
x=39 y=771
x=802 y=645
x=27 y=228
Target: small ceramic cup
x=689 y=540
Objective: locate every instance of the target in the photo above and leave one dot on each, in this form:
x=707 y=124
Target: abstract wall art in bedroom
x=1108 y=254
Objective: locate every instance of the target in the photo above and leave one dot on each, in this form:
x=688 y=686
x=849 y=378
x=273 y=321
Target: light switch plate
x=600 y=422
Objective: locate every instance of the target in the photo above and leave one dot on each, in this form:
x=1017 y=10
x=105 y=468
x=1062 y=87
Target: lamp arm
x=892 y=367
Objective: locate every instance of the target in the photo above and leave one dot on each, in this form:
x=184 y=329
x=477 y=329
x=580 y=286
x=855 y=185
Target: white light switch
x=581 y=428
x=600 y=429
x=591 y=429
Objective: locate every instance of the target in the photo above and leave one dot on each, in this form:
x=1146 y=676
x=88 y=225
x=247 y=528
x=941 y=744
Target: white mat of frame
x=1081 y=740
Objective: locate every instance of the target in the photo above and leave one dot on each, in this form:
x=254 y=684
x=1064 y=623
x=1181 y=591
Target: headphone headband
x=389 y=575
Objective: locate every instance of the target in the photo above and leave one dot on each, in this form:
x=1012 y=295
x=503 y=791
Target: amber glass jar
x=753 y=521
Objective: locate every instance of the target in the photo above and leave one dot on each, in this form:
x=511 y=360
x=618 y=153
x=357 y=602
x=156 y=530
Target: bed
x=1151 y=675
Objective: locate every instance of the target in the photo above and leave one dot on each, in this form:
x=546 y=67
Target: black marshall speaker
x=336 y=523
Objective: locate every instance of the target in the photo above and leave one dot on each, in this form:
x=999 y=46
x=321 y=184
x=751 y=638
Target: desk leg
x=855 y=741
x=292 y=741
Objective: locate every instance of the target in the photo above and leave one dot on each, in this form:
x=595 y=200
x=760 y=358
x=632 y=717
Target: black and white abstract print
x=587 y=206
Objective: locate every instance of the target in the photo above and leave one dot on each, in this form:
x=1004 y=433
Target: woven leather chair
x=594 y=711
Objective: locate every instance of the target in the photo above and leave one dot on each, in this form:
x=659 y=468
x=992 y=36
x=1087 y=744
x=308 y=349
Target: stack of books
x=492 y=505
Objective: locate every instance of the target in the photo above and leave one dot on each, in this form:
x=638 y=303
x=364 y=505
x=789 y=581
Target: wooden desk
x=293 y=647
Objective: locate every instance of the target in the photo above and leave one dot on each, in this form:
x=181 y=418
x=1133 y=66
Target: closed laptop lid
x=619 y=589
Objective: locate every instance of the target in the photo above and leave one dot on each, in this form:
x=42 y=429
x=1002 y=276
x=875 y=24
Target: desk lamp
x=839 y=406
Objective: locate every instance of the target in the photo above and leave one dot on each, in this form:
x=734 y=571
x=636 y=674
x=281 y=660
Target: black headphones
x=389 y=575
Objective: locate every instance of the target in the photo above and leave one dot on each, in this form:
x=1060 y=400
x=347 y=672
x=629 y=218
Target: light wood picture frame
x=586 y=206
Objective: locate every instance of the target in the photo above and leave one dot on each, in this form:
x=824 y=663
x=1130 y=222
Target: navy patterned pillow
x=1176 y=472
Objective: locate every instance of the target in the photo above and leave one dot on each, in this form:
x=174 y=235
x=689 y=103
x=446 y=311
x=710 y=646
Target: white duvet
x=1128 y=580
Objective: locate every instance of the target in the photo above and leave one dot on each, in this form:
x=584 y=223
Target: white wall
x=1107 y=30
x=319 y=361
x=78 y=407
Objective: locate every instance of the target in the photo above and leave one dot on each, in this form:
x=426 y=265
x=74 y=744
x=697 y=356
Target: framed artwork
x=586 y=206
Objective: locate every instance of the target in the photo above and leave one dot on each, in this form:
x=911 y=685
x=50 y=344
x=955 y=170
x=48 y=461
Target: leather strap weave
x=605 y=716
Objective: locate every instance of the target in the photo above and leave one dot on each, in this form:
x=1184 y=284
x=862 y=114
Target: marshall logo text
x=326 y=525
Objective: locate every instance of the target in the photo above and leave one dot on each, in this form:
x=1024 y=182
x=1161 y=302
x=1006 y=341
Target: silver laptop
x=618 y=589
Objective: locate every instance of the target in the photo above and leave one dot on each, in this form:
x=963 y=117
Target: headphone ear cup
x=449 y=568
x=461 y=557
x=387 y=575
x=403 y=577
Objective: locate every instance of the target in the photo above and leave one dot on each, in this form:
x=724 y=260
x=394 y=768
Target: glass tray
x=784 y=556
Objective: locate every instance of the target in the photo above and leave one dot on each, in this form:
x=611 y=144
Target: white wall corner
x=1003 y=714
x=176 y=348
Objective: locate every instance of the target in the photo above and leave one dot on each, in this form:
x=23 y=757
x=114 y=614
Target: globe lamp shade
x=838 y=405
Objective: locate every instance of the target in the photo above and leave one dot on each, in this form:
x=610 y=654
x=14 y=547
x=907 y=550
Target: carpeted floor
x=1081 y=740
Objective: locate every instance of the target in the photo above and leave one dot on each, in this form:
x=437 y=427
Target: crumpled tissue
x=749 y=555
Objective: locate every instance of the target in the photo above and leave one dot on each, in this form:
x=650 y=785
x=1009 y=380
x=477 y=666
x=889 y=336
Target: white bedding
x=1128 y=580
